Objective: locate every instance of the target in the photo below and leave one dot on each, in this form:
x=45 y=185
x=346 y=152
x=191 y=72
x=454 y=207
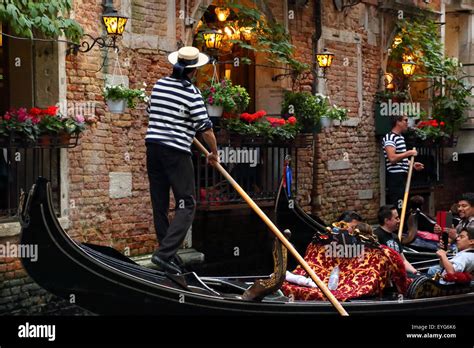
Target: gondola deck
x=105 y=282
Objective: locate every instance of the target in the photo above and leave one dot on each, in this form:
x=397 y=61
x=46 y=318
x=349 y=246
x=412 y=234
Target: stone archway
x=201 y=7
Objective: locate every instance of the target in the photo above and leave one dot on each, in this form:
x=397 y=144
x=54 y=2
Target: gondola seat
x=367 y=275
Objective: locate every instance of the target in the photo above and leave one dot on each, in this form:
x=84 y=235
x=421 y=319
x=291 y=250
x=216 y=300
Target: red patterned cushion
x=368 y=275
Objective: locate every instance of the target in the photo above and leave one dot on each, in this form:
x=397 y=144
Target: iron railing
x=260 y=179
x=19 y=168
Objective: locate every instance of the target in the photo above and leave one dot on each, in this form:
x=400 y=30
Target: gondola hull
x=105 y=282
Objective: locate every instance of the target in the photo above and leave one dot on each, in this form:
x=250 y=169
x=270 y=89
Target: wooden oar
x=277 y=233
x=405 y=198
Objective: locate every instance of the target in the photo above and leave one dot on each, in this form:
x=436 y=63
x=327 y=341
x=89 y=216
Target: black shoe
x=166 y=266
x=178 y=261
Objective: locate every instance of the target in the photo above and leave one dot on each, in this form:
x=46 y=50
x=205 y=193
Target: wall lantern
x=222 y=13
x=114 y=23
x=324 y=60
x=115 y=26
x=408 y=68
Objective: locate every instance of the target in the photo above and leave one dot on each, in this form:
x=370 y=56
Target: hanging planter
x=119 y=96
x=326 y=122
x=214 y=110
x=116 y=106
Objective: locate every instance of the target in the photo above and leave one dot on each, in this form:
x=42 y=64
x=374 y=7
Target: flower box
x=39 y=128
x=16 y=141
x=226 y=138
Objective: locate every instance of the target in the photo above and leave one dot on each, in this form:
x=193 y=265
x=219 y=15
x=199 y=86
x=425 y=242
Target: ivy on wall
x=421 y=41
x=50 y=18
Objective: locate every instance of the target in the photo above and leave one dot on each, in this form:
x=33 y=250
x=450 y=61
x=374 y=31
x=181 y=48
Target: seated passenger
x=386 y=234
x=351 y=217
x=365 y=267
x=463 y=261
x=466 y=213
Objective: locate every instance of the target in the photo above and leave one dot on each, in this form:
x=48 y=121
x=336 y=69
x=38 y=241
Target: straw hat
x=189 y=56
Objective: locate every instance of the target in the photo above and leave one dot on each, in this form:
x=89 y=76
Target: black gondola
x=304 y=226
x=104 y=281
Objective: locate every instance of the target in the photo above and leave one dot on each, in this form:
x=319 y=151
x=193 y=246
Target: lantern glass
x=114 y=24
x=1 y=36
x=222 y=13
x=324 y=59
x=408 y=68
x=213 y=39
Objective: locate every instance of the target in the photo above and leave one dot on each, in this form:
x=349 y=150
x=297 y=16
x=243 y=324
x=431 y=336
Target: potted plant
x=50 y=125
x=307 y=108
x=219 y=97
x=335 y=113
x=118 y=97
x=259 y=128
x=241 y=98
x=431 y=132
x=18 y=126
x=72 y=126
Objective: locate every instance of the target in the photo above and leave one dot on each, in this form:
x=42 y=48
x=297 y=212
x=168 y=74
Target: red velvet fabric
x=368 y=275
x=428 y=236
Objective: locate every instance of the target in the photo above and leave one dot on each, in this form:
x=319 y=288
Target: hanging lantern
x=213 y=39
x=408 y=68
x=222 y=13
x=325 y=58
x=114 y=23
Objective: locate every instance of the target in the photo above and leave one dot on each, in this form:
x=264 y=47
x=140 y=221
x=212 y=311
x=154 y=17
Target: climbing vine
x=419 y=39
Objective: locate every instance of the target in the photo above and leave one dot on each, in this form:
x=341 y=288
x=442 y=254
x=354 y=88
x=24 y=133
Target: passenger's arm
x=445 y=263
x=408 y=266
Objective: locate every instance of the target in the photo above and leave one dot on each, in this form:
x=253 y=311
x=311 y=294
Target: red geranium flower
x=35 y=112
x=51 y=110
x=292 y=120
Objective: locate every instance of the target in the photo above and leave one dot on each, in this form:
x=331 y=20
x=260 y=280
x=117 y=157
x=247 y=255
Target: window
x=19 y=167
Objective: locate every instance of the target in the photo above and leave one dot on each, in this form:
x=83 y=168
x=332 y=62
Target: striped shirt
x=398 y=142
x=176 y=113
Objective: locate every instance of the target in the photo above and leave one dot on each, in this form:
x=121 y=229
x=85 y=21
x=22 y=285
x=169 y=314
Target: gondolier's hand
x=418 y=166
x=212 y=159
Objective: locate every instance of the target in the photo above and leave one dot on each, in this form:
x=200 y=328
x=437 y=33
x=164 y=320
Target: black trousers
x=396 y=188
x=168 y=168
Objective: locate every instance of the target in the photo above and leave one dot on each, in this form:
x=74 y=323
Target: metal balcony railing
x=19 y=168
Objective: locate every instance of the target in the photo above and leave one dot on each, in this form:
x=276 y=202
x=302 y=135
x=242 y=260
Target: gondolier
x=176 y=113
x=396 y=160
